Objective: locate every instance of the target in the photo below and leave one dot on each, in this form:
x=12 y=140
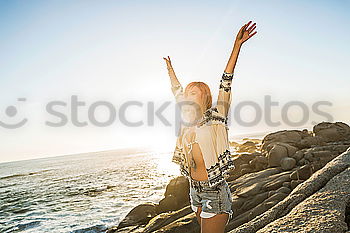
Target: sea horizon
x=143 y=149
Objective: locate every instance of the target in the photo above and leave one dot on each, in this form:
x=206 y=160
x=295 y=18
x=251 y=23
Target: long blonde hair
x=205 y=93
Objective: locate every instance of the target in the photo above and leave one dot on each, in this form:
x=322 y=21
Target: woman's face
x=194 y=95
x=192 y=108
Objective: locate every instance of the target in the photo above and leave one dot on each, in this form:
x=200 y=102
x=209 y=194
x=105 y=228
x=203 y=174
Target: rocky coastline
x=290 y=181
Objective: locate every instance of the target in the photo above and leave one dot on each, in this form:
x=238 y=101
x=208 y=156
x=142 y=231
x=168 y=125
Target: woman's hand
x=168 y=62
x=245 y=33
x=175 y=84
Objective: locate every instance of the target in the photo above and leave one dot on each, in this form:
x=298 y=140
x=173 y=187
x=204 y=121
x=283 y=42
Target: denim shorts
x=214 y=200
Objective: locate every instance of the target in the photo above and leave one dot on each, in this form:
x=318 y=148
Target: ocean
x=80 y=193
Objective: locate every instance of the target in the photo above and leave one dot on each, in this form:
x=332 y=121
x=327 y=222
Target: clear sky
x=112 y=51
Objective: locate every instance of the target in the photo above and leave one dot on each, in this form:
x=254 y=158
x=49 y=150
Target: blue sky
x=112 y=51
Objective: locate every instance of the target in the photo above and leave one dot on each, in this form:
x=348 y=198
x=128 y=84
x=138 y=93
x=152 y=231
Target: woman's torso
x=211 y=150
x=194 y=154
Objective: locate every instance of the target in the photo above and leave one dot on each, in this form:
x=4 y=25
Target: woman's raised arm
x=176 y=86
x=224 y=97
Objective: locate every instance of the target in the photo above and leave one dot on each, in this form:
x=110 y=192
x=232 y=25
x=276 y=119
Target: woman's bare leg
x=214 y=224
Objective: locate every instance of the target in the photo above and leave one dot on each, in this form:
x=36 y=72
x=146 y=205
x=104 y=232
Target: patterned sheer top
x=211 y=133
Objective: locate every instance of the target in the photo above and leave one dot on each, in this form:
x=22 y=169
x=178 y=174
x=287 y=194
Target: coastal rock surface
x=291 y=181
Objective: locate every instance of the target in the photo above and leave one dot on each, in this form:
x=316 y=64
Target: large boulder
x=164 y=219
x=278 y=152
x=332 y=132
x=288 y=163
x=140 y=214
x=291 y=137
x=176 y=195
x=307 y=142
x=259 y=163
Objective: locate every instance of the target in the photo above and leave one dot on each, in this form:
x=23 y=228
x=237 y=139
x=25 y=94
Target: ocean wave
x=24 y=226
x=24 y=174
x=92 y=229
